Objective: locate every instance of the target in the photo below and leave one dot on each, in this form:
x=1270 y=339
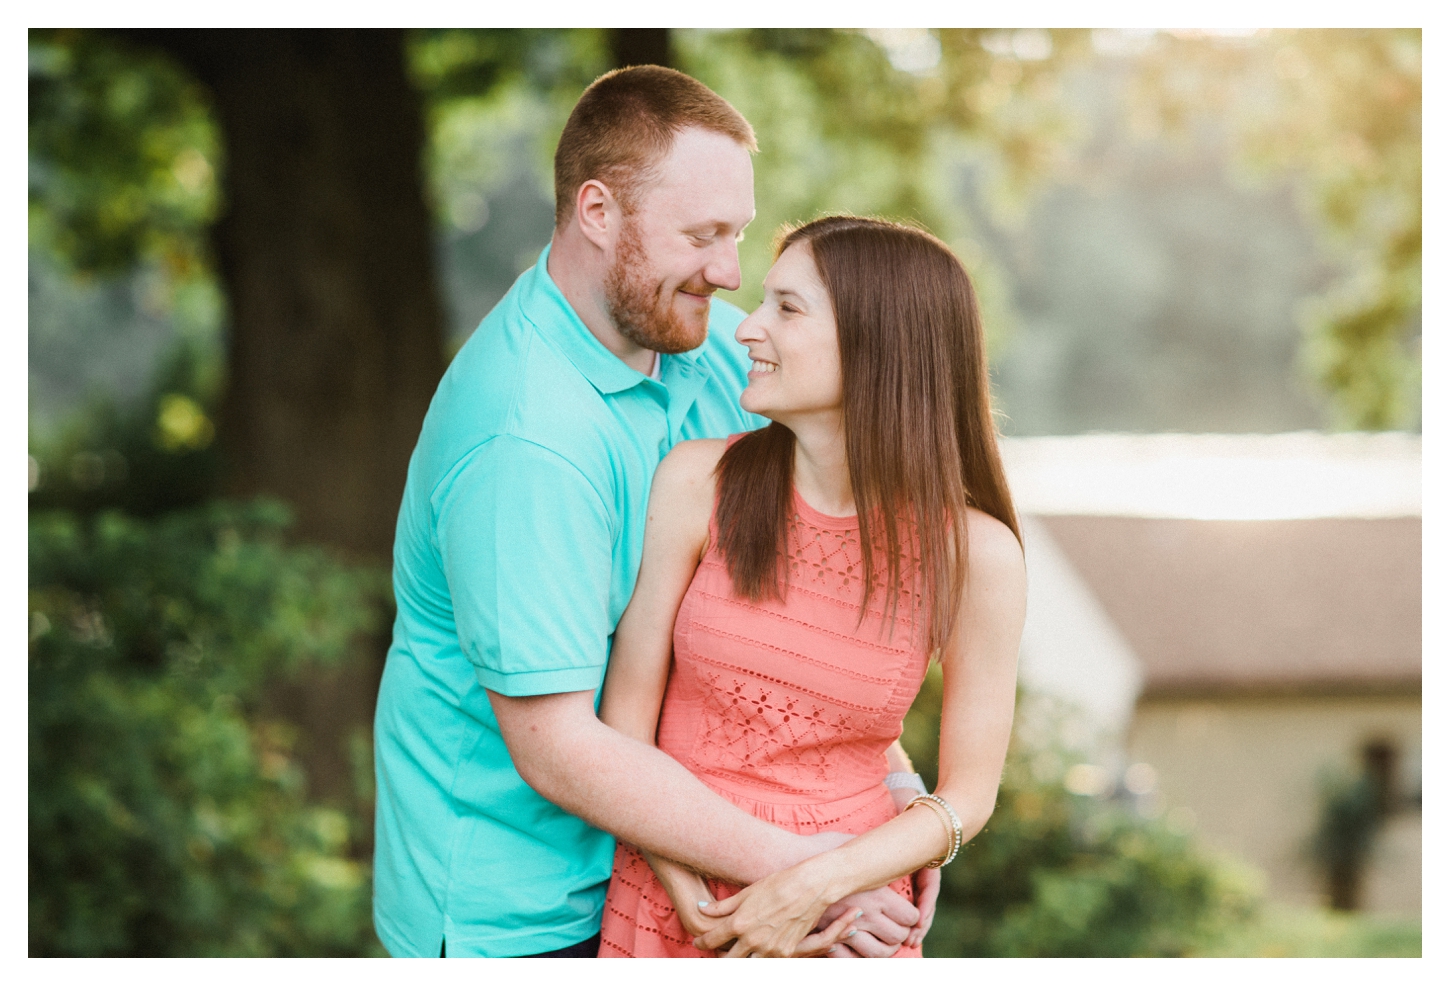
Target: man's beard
x=641 y=313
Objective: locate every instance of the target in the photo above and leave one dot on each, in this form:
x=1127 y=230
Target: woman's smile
x=794 y=324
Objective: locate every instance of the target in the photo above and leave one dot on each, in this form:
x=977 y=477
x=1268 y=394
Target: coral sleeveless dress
x=784 y=709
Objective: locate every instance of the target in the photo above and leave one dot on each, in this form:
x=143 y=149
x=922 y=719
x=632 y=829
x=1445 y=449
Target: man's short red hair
x=626 y=122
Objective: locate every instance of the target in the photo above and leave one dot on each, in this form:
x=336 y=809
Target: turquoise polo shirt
x=518 y=542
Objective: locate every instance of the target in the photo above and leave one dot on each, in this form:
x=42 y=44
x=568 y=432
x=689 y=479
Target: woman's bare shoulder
x=687 y=475
x=690 y=465
x=698 y=452
x=992 y=548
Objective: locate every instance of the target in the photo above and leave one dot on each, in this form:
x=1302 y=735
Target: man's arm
x=640 y=794
x=526 y=543
x=648 y=799
x=615 y=778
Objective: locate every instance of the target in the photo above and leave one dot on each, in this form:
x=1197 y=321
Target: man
x=519 y=539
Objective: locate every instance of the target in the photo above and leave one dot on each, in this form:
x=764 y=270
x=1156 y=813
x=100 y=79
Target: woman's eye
x=785 y=307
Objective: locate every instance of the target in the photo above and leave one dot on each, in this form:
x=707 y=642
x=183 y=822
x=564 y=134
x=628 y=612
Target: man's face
x=679 y=245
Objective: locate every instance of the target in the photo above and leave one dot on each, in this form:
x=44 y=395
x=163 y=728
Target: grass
x=1321 y=933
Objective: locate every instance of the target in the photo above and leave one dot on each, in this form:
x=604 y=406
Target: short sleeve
x=526 y=543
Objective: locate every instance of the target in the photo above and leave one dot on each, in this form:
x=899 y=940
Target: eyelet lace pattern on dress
x=785 y=708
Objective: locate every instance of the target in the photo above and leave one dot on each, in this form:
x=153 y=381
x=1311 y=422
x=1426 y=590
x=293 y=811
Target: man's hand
x=927 y=881
x=886 y=923
x=687 y=889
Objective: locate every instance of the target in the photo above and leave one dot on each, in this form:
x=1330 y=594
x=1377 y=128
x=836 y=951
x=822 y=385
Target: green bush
x=167 y=816
x=1060 y=874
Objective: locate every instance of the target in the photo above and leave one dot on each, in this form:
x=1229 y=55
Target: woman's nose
x=748 y=331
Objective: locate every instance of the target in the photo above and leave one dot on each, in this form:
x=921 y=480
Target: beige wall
x=1246 y=770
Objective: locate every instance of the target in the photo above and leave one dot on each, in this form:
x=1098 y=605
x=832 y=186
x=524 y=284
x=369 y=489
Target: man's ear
x=597 y=212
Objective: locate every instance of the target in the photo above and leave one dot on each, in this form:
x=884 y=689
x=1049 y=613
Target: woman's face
x=796 y=368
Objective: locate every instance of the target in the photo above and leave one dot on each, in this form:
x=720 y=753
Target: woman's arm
x=979 y=678
x=880 y=940
x=677 y=526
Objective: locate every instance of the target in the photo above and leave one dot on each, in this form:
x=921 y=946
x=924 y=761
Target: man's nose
x=723 y=269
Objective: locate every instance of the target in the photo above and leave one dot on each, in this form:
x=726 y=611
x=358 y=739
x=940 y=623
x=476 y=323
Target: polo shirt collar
x=546 y=307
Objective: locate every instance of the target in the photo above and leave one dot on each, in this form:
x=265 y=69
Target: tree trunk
x=336 y=331
x=325 y=249
x=641 y=46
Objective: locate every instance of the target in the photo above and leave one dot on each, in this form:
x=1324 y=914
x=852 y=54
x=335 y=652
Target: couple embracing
x=669 y=577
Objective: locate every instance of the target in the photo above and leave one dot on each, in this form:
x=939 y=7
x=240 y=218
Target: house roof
x=1307 y=605
x=1217 y=477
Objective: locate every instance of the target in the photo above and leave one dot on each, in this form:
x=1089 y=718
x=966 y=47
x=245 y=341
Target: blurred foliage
x=477 y=83
x=123 y=186
x=1340 y=111
x=145 y=458
x=167 y=815
x=1281 y=931
x=1061 y=874
x=123 y=155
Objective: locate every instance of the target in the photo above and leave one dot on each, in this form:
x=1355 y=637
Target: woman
x=774 y=655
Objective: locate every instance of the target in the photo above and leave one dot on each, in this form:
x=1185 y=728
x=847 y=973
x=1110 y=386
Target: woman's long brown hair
x=921 y=443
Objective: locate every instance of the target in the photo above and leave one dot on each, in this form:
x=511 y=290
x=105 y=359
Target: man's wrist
x=901 y=780
x=824 y=878
x=784 y=851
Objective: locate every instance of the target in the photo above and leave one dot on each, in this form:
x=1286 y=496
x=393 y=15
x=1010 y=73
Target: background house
x=1238 y=618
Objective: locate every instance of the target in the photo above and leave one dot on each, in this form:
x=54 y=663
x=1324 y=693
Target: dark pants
x=584 y=950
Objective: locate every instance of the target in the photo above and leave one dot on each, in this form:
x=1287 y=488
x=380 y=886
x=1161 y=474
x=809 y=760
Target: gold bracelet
x=949 y=819
x=945 y=820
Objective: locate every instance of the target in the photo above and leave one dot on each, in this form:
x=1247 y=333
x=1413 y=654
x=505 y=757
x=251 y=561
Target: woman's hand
x=687 y=890
x=883 y=918
x=775 y=917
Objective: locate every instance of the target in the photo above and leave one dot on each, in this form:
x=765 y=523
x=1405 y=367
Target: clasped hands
x=789 y=913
